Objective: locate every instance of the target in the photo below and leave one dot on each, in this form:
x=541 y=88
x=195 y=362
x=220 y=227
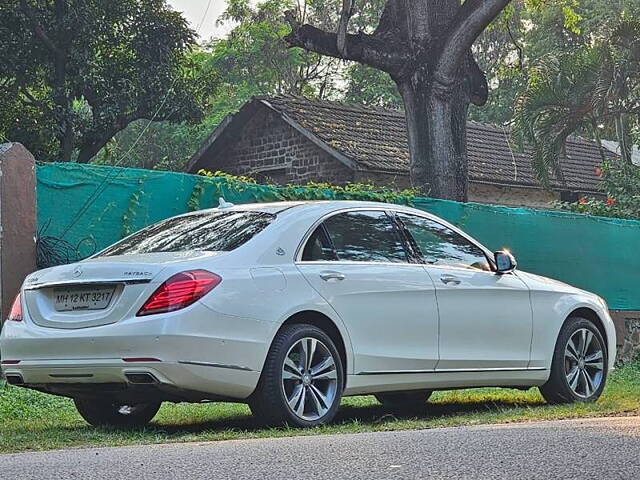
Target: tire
x=289 y=393
x=406 y=400
x=578 y=374
x=101 y=413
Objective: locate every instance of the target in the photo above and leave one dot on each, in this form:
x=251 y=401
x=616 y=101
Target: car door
x=485 y=318
x=358 y=262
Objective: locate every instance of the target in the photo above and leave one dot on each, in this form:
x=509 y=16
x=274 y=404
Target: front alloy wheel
x=579 y=364
x=584 y=363
x=302 y=379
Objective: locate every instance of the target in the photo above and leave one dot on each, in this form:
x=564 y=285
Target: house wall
x=271 y=151
x=478 y=192
x=511 y=196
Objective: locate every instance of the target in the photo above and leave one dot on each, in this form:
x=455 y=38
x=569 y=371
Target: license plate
x=82 y=298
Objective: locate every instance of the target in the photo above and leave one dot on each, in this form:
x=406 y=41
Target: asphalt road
x=607 y=448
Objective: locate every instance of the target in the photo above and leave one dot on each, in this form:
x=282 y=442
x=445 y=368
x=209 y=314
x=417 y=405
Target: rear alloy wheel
x=101 y=413
x=406 y=400
x=579 y=368
x=301 y=384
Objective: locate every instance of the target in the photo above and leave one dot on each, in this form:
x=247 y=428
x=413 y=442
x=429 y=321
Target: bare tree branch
x=472 y=18
x=345 y=16
x=360 y=47
x=518 y=47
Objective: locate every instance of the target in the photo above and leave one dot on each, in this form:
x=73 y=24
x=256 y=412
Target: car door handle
x=328 y=276
x=450 y=280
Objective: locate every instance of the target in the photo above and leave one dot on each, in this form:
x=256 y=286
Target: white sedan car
x=290 y=306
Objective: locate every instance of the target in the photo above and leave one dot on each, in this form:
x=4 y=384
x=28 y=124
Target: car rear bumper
x=198 y=350
x=169 y=380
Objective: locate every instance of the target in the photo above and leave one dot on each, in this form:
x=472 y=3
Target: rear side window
x=319 y=247
x=204 y=231
x=357 y=237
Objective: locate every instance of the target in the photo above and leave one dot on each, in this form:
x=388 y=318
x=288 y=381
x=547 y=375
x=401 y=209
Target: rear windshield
x=205 y=231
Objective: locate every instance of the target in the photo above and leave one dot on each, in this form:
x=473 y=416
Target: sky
x=194 y=10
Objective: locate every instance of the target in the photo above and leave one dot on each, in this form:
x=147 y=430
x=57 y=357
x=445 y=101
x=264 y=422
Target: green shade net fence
x=91 y=207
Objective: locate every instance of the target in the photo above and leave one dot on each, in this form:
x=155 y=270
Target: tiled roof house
x=292 y=139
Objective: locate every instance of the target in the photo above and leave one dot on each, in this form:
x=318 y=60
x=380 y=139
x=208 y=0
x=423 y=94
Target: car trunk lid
x=98 y=291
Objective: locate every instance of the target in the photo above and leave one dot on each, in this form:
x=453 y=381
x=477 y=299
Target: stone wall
x=628 y=334
x=271 y=151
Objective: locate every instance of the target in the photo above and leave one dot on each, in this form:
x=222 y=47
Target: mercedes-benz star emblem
x=77 y=272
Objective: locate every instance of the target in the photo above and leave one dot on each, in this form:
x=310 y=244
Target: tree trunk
x=425 y=45
x=60 y=96
x=66 y=142
x=86 y=153
x=436 y=128
x=92 y=145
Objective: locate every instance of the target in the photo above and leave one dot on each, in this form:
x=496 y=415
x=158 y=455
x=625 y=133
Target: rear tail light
x=180 y=291
x=15 y=315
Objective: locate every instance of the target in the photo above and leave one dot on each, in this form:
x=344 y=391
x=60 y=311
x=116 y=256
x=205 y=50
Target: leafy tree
x=254 y=56
x=79 y=72
x=372 y=87
x=529 y=30
x=251 y=60
x=594 y=88
x=169 y=145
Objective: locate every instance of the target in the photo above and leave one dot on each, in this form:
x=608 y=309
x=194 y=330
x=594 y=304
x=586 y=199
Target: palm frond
x=562 y=92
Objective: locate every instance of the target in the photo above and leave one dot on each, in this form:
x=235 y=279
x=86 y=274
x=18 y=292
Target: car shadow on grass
x=368 y=415
x=216 y=422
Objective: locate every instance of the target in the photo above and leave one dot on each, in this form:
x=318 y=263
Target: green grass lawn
x=34 y=421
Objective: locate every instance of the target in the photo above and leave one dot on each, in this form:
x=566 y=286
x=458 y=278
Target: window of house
x=439 y=245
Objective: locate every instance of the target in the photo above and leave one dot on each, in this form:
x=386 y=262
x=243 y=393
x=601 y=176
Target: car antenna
x=224 y=204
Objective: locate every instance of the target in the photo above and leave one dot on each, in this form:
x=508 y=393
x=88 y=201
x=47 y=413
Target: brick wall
x=272 y=151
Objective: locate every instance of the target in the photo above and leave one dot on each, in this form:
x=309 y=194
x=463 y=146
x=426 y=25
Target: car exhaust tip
x=14 y=379
x=142 y=378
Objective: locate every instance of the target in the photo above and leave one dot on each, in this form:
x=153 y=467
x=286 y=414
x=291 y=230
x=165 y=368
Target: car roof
x=312 y=207
x=271 y=207
x=328 y=205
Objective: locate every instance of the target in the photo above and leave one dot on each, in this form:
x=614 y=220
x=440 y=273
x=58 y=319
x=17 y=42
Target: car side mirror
x=505 y=262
